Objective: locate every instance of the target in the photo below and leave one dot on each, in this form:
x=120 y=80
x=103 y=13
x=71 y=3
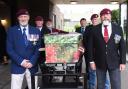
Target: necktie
x=82 y=29
x=106 y=34
x=25 y=36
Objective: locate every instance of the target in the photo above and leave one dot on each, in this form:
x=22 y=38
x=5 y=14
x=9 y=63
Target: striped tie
x=106 y=33
x=25 y=37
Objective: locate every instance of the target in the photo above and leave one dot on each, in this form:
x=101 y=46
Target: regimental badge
x=117 y=38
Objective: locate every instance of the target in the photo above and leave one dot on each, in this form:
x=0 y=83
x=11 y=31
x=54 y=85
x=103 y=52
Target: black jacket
x=107 y=55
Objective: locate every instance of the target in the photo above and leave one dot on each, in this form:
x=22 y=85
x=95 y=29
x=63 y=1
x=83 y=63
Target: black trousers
x=79 y=64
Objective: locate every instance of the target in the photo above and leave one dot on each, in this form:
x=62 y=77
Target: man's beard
x=49 y=26
x=106 y=22
x=24 y=23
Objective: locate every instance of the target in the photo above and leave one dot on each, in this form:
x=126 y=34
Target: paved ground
x=5 y=77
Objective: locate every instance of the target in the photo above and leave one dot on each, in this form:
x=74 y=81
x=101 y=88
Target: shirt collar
x=40 y=28
x=109 y=25
x=83 y=27
x=22 y=27
x=27 y=29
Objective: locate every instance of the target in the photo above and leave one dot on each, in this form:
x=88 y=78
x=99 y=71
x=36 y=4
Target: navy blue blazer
x=18 y=51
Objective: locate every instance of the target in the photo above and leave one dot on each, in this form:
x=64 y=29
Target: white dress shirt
x=83 y=28
x=109 y=27
x=40 y=28
x=17 y=79
x=26 y=31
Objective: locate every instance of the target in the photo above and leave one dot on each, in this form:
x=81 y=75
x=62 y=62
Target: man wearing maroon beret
x=110 y=54
x=23 y=42
x=92 y=73
x=40 y=25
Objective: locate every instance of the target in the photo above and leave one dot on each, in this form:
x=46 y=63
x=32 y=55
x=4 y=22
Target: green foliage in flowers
x=63 y=38
x=61 y=47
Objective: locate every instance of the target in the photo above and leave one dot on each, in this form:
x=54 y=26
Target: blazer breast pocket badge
x=117 y=38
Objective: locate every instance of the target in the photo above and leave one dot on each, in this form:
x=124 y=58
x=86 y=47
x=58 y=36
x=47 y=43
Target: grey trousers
x=115 y=78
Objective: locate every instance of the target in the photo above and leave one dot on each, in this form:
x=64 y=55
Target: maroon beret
x=105 y=11
x=22 y=12
x=94 y=16
x=39 y=18
x=49 y=20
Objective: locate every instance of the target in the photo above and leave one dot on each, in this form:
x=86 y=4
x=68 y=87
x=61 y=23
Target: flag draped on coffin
x=62 y=48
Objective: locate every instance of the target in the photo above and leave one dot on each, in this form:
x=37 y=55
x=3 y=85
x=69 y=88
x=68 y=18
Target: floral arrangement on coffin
x=62 y=48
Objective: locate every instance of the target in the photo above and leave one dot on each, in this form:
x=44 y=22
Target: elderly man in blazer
x=23 y=42
x=92 y=73
x=110 y=54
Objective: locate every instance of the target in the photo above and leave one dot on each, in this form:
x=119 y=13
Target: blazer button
x=106 y=53
x=106 y=46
